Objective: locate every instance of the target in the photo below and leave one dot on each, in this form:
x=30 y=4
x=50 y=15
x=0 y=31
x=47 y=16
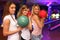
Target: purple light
x=44 y=1
x=49 y=4
x=55 y=27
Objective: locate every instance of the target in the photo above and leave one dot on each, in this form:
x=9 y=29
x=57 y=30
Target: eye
x=25 y=10
x=12 y=7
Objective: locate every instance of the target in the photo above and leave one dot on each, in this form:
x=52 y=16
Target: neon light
x=50 y=21
x=55 y=27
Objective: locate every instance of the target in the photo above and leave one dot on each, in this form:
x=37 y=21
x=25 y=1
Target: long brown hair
x=6 y=8
x=20 y=10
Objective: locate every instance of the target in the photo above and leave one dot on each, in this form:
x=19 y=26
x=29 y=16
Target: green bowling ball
x=23 y=21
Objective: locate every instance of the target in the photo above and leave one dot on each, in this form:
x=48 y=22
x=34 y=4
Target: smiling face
x=36 y=10
x=25 y=11
x=12 y=8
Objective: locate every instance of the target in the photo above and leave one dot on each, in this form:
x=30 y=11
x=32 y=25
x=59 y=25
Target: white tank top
x=36 y=30
x=25 y=34
x=12 y=27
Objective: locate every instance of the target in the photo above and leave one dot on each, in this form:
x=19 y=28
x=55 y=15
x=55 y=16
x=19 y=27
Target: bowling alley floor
x=51 y=34
x=47 y=34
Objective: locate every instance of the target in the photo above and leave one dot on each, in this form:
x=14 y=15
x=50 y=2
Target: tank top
x=36 y=30
x=25 y=34
x=12 y=27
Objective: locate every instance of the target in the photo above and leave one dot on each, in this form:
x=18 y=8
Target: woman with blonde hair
x=37 y=23
x=25 y=33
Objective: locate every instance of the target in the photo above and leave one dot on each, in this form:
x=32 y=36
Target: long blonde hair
x=20 y=10
x=34 y=7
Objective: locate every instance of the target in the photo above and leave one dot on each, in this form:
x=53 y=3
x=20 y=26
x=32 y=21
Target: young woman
x=25 y=33
x=10 y=28
x=37 y=23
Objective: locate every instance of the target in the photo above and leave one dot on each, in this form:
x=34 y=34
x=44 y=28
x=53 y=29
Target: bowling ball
x=29 y=14
x=23 y=21
x=42 y=14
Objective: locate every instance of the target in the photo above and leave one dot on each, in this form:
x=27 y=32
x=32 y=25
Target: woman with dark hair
x=10 y=28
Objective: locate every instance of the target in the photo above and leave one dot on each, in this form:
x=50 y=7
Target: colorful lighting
x=53 y=16
x=57 y=16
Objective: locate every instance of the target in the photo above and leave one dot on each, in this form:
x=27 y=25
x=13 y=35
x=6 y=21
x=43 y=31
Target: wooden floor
x=1 y=34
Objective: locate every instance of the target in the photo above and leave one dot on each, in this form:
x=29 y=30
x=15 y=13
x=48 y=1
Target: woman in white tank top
x=25 y=32
x=10 y=28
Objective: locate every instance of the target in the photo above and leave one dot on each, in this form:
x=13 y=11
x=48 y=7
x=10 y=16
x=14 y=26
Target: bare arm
x=40 y=23
x=30 y=23
x=30 y=26
x=6 y=31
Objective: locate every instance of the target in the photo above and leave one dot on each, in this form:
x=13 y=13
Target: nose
x=14 y=9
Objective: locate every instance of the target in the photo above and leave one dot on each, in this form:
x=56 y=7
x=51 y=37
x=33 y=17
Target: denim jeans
x=33 y=37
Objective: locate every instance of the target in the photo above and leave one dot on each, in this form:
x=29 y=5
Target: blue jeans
x=33 y=37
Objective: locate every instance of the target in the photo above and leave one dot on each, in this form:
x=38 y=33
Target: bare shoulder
x=6 y=22
x=35 y=17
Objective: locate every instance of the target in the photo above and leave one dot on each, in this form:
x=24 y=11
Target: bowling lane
x=51 y=34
